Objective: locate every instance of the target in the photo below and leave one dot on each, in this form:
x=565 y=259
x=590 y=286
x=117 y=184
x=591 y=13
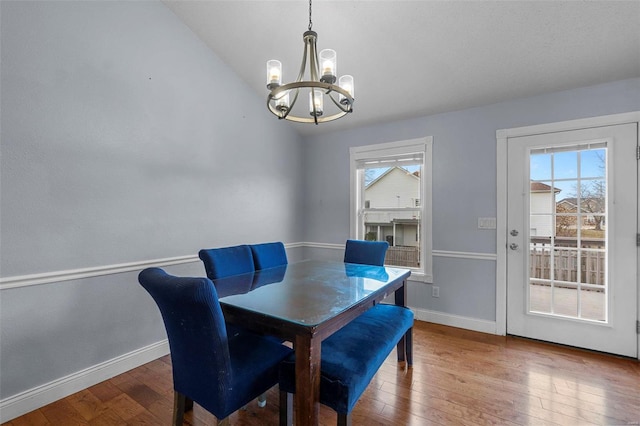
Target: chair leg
x=286 y=408
x=179 y=401
x=344 y=419
x=405 y=348
x=409 y=343
x=262 y=400
x=201 y=416
x=188 y=404
x=401 y=349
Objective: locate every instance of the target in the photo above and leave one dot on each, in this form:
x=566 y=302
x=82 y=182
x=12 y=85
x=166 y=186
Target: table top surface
x=309 y=292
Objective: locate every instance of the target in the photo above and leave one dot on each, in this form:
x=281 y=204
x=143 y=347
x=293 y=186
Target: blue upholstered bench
x=350 y=358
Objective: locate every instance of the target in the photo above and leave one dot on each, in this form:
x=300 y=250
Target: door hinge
x=637 y=152
x=637 y=240
x=637 y=327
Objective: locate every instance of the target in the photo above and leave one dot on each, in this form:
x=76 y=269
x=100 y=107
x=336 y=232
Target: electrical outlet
x=435 y=291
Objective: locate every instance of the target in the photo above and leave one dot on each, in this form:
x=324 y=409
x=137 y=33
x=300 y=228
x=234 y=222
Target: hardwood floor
x=458 y=377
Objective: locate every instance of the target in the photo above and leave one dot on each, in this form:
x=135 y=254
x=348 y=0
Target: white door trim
x=502 y=137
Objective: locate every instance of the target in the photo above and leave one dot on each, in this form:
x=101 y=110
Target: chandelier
x=327 y=101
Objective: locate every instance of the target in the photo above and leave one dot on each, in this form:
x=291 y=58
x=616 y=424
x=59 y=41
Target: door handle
x=513 y=246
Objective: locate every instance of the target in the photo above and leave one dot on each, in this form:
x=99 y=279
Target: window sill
x=420 y=276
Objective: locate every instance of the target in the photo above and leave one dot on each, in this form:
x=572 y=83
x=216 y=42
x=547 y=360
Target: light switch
x=486 y=223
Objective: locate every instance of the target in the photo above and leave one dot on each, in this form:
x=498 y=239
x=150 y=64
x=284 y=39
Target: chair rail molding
x=97 y=271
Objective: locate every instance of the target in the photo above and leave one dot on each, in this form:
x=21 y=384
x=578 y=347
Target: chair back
x=197 y=335
x=269 y=255
x=226 y=261
x=365 y=252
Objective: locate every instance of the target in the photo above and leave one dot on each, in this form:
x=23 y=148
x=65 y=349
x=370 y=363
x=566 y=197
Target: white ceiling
x=415 y=58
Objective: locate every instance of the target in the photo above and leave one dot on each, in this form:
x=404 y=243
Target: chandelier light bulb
x=282 y=102
x=316 y=98
x=346 y=82
x=329 y=61
x=274 y=73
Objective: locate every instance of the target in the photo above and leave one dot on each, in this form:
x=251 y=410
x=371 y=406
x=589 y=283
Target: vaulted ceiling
x=415 y=58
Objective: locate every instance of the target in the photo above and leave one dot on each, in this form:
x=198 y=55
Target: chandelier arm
x=327 y=87
x=348 y=108
x=314 y=112
x=310 y=38
x=293 y=102
x=303 y=65
x=323 y=119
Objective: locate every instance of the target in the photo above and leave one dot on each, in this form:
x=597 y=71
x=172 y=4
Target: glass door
x=572 y=255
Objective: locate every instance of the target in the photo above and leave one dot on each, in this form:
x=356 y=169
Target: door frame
x=502 y=137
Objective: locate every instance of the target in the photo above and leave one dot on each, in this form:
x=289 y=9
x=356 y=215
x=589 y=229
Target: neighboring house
x=394 y=189
x=590 y=207
x=541 y=206
x=543 y=224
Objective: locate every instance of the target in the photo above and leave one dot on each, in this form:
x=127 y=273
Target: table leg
x=401 y=294
x=307 y=397
x=404 y=347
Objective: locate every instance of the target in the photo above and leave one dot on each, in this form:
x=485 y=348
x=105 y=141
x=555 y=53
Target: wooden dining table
x=305 y=302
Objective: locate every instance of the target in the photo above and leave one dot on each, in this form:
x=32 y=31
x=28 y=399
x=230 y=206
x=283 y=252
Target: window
x=391 y=201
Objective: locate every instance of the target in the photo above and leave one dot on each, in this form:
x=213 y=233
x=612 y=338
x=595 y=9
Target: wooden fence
x=592 y=264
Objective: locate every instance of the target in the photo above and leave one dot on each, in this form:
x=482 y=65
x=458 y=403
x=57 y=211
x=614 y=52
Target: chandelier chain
x=310 y=23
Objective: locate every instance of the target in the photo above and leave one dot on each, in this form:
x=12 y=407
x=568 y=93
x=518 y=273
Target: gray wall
x=124 y=139
x=464 y=184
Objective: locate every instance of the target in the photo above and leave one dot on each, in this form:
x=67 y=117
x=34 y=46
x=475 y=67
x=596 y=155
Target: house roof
x=587 y=203
x=389 y=170
x=571 y=200
x=542 y=187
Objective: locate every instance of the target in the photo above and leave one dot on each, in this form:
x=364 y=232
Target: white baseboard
x=467 y=323
x=40 y=396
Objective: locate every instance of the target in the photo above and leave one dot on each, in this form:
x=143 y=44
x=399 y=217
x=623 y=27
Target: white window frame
x=384 y=150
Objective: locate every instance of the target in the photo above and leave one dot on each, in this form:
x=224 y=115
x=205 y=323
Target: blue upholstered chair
x=365 y=252
x=226 y=261
x=268 y=255
x=218 y=372
x=350 y=358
